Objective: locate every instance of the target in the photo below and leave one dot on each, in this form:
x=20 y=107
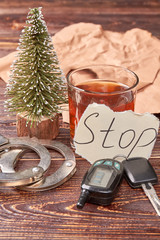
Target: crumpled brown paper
x=85 y=43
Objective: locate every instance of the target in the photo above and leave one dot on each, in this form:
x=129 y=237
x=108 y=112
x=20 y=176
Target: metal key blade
x=151 y=194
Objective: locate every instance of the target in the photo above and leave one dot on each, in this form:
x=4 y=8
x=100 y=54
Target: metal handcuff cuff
x=33 y=179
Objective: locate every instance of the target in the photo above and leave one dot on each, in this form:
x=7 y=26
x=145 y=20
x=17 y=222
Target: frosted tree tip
x=35 y=10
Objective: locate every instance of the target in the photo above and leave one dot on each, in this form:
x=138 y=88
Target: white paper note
x=103 y=133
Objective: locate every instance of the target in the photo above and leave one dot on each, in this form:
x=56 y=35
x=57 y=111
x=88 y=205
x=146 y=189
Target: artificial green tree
x=36 y=86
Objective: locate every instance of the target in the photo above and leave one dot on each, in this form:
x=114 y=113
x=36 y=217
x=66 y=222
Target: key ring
x=30 y=175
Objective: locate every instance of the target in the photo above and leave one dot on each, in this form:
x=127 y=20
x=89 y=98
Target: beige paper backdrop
x=86 y=43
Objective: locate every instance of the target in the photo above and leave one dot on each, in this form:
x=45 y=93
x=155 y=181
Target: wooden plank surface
x=53 y=214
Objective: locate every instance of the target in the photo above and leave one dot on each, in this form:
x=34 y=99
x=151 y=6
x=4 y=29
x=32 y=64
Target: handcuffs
x=33 y=179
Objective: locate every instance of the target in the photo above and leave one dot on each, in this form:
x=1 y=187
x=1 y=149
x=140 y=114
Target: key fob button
x=117 y=165
x=98 y=163
x=108 y=162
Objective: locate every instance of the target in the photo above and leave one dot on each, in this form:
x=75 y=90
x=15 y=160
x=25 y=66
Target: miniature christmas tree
x=36 y=86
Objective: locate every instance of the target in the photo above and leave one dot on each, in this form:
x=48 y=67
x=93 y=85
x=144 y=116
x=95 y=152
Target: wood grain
x=46 y=129
x=53 y=214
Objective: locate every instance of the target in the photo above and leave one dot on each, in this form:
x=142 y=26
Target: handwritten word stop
x=103 y=133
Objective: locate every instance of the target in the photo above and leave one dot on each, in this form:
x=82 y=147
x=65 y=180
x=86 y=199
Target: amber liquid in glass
x=112 y=94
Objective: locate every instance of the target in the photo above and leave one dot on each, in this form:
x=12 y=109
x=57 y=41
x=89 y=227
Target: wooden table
x=53 y=214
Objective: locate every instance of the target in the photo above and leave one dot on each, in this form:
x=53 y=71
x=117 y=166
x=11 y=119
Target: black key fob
x=101 y=182
x=138 y=171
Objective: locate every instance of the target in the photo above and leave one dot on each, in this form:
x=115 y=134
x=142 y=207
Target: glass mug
x=113 y=86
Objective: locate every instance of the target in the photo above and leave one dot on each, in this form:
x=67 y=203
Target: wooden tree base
x=46 y=129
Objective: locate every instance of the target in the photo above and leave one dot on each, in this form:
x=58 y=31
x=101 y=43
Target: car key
x=140 y=173
x=101 y=182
